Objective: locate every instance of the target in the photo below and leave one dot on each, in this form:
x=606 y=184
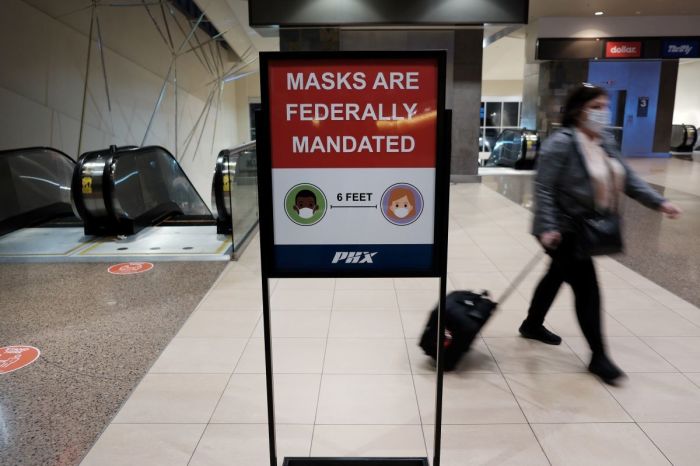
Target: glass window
x=510 y=114
x=482 y=113
x=493 y=114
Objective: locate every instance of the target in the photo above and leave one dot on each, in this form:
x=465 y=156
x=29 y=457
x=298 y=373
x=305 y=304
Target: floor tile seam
x=138 y=383
x=690 y=322
x=537 y=372
x=643 y=339
x=607 y=389
x=651 y=440
x=323 y=367
x=223 y=392
x=411 y=371
x=648 y=294
x=515 y=398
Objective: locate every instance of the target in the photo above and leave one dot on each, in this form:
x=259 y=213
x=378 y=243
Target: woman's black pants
x=579 y=273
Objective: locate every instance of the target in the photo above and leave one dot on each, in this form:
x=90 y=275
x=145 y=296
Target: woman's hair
x=398 y=193
x=576 y=100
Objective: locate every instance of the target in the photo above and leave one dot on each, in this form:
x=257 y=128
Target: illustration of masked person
x=305 y=204
x=401 y=203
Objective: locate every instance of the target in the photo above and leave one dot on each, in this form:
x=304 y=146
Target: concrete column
x=466 y=85
x=665 y=106
x=312 y=39
x=531 y=96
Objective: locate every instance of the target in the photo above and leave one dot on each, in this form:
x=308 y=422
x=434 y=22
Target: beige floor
x=681 y=175
x=351 y=381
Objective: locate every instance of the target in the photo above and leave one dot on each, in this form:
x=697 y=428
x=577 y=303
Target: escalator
x=119 y=191
x=235 y=192
x=35 y=189
x=683 y=138
x=515 y=148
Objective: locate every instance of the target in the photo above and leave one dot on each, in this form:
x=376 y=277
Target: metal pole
x=440 y=369
x=444 y=132
x=216 y=116
x=189 y=137
x=176 y=109
x=204 y=127
x=158 y=102
x=104 y=64
x=87 y=78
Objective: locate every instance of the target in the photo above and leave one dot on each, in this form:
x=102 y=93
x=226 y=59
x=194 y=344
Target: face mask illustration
x=401 y=212
x=306 y=213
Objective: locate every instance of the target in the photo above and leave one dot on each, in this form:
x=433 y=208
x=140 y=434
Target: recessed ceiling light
x=599 y=13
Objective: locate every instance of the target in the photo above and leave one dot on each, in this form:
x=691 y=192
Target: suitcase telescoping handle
x=521 y=276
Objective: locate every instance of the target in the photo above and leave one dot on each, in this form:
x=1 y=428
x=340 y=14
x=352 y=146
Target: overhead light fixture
x=599 y=13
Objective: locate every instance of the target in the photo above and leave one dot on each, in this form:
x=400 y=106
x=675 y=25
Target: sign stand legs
x=269 y=379
x=440 y=372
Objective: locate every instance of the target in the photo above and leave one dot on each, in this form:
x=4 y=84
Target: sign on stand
x=353 y=175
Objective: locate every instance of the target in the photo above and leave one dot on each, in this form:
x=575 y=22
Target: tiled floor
x=351 y=381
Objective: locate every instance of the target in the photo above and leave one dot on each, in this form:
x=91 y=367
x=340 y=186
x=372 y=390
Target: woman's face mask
x=597 y=120
x=401 y=208
x=401 y=212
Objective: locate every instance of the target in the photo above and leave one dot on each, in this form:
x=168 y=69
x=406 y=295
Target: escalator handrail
x=129 y=149
x=7 y=152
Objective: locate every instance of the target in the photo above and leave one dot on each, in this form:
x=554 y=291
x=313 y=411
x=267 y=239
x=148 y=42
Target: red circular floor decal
x=128 y=268
x=16 y=357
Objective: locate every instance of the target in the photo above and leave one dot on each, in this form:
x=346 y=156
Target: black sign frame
x=442 y=167
x=440 y=238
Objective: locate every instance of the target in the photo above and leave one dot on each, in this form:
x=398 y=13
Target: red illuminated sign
x=623 y=49
x=342 y=114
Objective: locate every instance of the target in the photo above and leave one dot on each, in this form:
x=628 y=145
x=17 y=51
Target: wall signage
x=619 y=49
x=680 y=48
x=642 y=106
x=353 y=161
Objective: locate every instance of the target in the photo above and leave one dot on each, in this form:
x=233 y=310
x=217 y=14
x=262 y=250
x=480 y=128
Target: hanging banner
x=353 y=144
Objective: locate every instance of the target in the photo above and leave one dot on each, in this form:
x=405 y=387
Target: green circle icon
x=305 y=204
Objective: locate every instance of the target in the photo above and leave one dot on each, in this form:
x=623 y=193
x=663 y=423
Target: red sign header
x=623 y=49
x=353 y=113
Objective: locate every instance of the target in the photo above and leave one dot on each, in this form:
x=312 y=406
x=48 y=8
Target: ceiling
x=542 y=8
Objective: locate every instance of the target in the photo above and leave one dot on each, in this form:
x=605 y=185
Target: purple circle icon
x=402 y=204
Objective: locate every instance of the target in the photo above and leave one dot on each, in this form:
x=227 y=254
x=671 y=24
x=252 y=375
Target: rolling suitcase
x=466 y=312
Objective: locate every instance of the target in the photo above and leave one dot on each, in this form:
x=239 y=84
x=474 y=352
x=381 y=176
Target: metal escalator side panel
x=244 y=194
x=235 y=174
x=34 y=186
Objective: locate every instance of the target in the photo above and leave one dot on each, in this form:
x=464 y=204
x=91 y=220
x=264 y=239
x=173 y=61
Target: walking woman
x=580 y=173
